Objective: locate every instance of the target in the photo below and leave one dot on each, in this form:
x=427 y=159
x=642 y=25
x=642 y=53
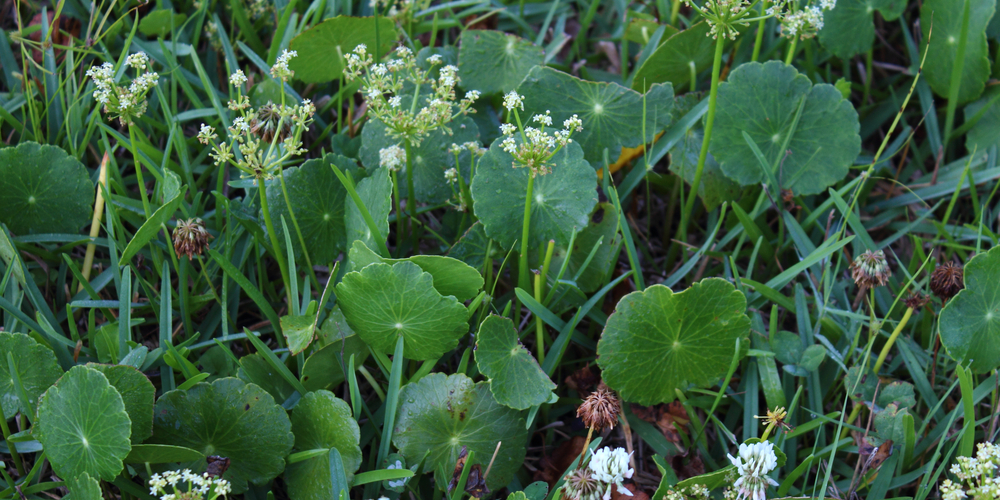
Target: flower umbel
x=870 y=269
x=536 y=146
x=978 y=477
x=186 y=485
x=126 y=103
x=611 y=468
x=753 y=463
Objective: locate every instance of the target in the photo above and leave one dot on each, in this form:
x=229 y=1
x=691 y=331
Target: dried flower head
x=916 y=300
x=754 y=462
x=580 y=485
x=947 y=280
x=611 y=467
x=600 y=409
x=267 y=123
x=190 y=237
x=870 y=269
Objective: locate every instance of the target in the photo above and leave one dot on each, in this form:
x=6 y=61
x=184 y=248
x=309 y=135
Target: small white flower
x=611 y=467
x=755 y=461
x=361 y=49
x=206 y=134
x=137 y=60
x=392 y=157
x=507 y=128
x=240 y=125
x=280 y=68
x=395 y=101
x=238 y=78
x=545 y=119
x=434 y=59
x=403 y=51
x=451 y=175
x=573 y=124
x=472 y=95
x=513 y=100
x=509 y=145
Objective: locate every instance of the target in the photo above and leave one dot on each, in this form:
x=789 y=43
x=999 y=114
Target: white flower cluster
x=754 y=462
x=127 y=103
x=266 y=136
x=978 y=477
x=610 y=467
x=724 y=16
x=803 y=21
x=392 y=157
x=536 y=146
x=280 y=69
x=187 y=485
x=385 y=84
x=695 y=491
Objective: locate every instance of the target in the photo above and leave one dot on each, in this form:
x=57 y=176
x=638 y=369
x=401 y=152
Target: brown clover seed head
x=947 y=280
x=916 y=300
x=580 y=485
x=265 y=122
x=870 y=269
x=600 y=409
x=190 y=237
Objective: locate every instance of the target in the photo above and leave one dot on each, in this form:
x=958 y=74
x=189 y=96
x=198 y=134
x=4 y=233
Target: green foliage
x=492 y=62
x=322 y=48
x=37 y=369
x=516 y=380
x=321 y=421
x=946 y=16
x=970 y=322
x=137 y=395
x=676 y=58
x=43 y=190
x=848 y=29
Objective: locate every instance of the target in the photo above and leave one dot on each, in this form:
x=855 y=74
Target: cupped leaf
x=430 y=158
x=942 y=53
x=160 y=23
x=322 y=421
x=318 y=200
x=382 y=302
x=323 y=48
x=137 y=394
x=676 y=58
x=516 y=380
x=43 y=190
x=808 y=134
x=83 y=487
x=561 y=199
x=229 y=418
x=83 y=425
x=36 y=366
x=375 y=192
x=325 y=368
x=613 y=116
x=970 y=322
x=451 y=276
x=439 y=414
x=849 y=28
x=493 y=61
x=299 y=332
x=658 y=341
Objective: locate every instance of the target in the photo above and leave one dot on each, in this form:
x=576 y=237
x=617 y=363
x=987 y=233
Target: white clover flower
x=238 y=78
x=507 y=128
x=545 y=119
x=611 y=467
x=754 y=462
x=395 y=101
x=137 y=60
x=512 y=100
x=392 y=157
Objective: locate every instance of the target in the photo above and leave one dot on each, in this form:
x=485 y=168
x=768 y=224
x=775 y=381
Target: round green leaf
x=765 y=100
x=493 y=61
x=657 y=341
x=317 y=199
x=83 y=425
x=43 y=190
x=228 y=418
x=440 y=414
x=137 y=394
x=323 y=47
x=613 y=116
x=321 y=420
x=970 y=322
x=715 y=187
x=83 y=487
x=36 y=366
x=986 y=132
x=160 y=23
x=382 y=302
x=516 y=380
x=323 y=369
x=674 y=59
x=946 y=18
x=563 y=198
x=431 y=157
x=849 y=28
x=376 y=195
x=451 y=276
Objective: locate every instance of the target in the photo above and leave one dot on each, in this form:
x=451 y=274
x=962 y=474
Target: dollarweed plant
x=529 y=250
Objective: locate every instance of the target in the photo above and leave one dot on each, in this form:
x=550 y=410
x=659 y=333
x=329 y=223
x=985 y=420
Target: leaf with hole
x=970 y=322
x=439 y=414
x=658 y=341
x=561 y=199
x=516 y=380
x=808 y=134
x=43 y=190
x=382 y=302
x=83 y=425
x=229 y=418
x=613 y=116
